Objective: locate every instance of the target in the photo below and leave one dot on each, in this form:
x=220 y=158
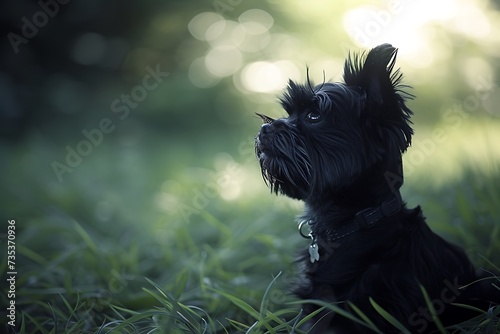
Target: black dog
x=339 y=150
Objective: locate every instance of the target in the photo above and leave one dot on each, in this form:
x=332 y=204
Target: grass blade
x=240 y=303
x=434 y=315
x=265 y=299
x=388 y=317
x=363 y=317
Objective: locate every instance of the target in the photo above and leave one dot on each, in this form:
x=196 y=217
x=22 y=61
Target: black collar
x=363 y=219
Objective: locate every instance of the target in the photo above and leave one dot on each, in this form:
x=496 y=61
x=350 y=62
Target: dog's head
x=336 y=133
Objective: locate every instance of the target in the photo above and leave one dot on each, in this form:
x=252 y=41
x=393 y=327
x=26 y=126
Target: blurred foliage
x=172 y=192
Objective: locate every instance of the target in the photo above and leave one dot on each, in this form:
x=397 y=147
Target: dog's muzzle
x=263 y=139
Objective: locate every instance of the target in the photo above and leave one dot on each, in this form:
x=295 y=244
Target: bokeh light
x=199 y=25
x=256 y=21
x=223 y=61
x=231 y=41
x=264 y=77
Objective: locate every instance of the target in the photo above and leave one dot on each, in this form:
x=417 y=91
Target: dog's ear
x=385 y=110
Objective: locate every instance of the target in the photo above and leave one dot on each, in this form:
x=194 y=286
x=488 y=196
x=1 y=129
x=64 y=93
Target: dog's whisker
x=264 y=118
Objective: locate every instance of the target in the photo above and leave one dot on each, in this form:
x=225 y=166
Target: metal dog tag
x=313 y=252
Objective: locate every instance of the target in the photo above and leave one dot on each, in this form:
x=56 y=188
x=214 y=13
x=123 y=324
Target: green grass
x=100 y=259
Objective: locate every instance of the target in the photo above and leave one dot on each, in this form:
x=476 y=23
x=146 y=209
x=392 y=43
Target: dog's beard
x=284 y=161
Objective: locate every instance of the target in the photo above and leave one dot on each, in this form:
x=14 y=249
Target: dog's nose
x=266 y=128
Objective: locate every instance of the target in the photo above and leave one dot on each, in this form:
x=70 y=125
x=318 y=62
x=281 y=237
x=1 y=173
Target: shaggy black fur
x=339 y=150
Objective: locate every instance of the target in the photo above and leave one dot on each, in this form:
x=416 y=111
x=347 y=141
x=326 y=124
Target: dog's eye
x=313 y=117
